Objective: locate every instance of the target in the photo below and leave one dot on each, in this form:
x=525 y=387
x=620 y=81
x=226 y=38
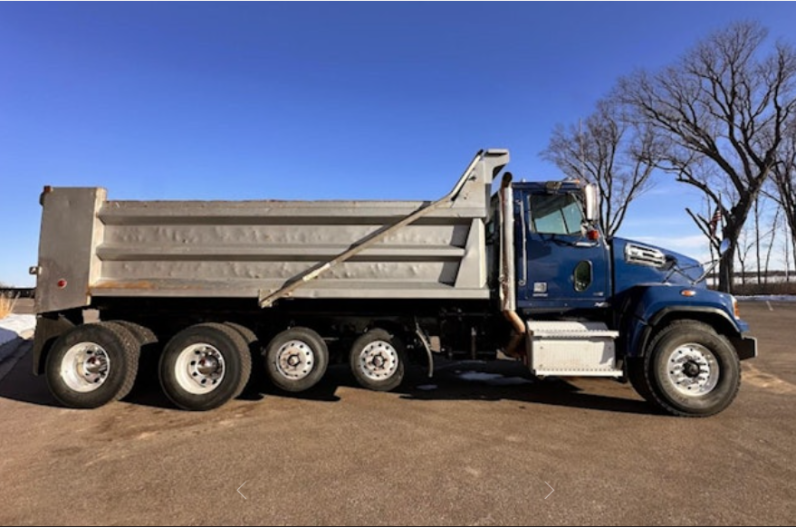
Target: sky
x=317 y=101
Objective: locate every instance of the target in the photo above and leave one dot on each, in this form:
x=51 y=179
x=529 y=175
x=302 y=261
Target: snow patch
x=15 y=326
x=770 y=298
x=493 y=379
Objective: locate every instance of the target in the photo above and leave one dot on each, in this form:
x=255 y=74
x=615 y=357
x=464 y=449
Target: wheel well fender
x=713 y=317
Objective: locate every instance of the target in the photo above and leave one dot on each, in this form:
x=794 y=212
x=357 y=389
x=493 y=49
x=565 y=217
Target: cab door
x=560 y=267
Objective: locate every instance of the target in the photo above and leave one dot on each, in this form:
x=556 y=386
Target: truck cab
x=593 y=306
x=563 y=261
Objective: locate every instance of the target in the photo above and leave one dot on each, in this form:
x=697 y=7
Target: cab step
x=572 y=349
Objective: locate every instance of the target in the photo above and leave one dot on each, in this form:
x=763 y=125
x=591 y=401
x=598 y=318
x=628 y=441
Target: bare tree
x=745 y=244
x=726 y=103
x=786 y=246
x=785 y=179
x=775 y=226
x=758 y=213
x=711 y=222
x=608 y=151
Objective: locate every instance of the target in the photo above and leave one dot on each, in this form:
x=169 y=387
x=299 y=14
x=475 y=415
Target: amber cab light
x=594 y=235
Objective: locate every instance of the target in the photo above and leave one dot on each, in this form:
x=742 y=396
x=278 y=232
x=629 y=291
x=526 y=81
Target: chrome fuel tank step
x=572 y=349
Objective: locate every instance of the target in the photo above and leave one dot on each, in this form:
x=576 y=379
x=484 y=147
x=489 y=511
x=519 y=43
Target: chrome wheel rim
x=379 y=360
x=295 y=360
x=85 y=367
x=693 y=370
x=200 y=369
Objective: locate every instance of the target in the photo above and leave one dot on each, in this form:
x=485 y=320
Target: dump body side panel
x=250 y=249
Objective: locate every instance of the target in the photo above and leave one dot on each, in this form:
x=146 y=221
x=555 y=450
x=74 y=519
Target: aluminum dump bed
x=266 y=250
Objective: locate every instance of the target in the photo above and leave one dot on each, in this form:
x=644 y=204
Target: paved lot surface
x=474 y=452
x=24 y=306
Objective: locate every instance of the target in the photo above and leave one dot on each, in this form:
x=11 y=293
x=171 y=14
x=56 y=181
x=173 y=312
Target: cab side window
x=559 y=214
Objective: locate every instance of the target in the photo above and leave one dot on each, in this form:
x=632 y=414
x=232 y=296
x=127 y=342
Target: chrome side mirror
x=592 y=195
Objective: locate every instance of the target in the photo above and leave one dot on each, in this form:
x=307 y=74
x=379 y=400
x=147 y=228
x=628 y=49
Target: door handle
x=586 y=245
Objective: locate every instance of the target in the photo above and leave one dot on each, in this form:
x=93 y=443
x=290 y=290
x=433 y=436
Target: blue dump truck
x=493 y=270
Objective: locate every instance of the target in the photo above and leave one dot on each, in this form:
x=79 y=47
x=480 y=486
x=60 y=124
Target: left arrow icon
x=239 y=492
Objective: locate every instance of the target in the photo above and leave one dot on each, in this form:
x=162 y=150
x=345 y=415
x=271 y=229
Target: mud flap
x=745 y=347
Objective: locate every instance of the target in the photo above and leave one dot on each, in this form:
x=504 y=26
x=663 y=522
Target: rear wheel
x=378 y=361
x=93 y=365
x=248 y=335
x=144 y=335
x=297 y=359
x=257 y=380
x=204 y=367
x=147 y=353
x=692 y=371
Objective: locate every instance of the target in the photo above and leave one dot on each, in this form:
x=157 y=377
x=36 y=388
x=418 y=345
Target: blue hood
x=637 y=263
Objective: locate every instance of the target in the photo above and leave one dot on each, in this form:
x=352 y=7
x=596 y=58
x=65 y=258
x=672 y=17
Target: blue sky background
x=316 y=101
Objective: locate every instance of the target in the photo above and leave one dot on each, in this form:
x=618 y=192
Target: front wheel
x=692 y=371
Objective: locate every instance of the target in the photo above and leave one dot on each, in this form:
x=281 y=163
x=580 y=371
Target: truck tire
x=147 y=357
x=296 y=360
x=204 y=367
x=93 y=365
x=378 y=361
x=144 y=335
x=692 y=371
x=258 y=378
x=638 y=378
x=248 y=335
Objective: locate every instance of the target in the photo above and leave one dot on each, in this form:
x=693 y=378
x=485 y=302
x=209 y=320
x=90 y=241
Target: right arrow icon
x=551 y=488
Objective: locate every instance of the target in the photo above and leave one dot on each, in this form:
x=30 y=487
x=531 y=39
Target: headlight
x=736 y=307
